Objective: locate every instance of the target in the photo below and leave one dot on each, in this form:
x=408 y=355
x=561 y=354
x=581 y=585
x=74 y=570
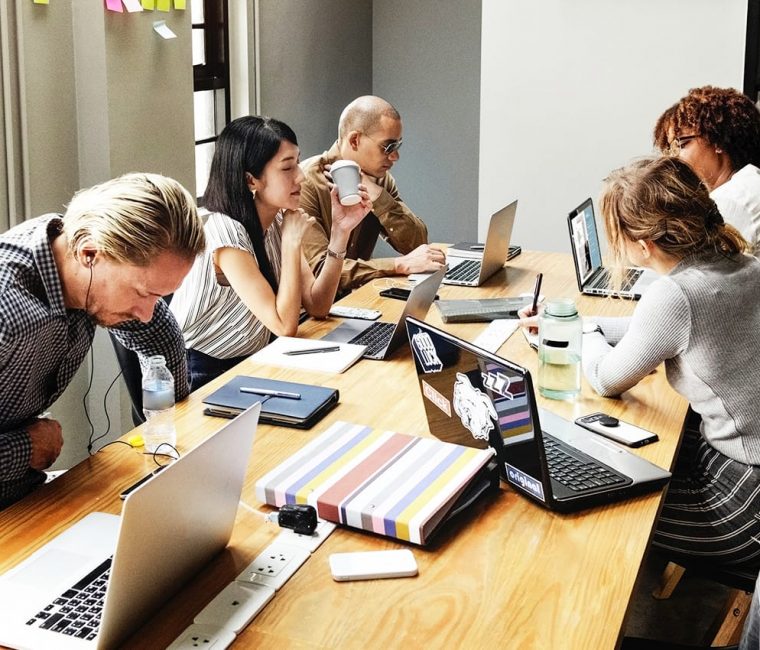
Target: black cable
x=114 y=442
x=156 y=453
x=92 y=440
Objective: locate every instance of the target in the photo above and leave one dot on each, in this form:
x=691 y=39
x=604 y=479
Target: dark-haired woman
x=702 y=319
x=717 y=131
x=253 y=278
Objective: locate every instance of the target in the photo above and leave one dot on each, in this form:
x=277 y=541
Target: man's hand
x=47 y=440
x=423 y=259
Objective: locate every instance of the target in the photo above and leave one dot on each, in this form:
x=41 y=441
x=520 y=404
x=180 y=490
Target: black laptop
x=478 y=399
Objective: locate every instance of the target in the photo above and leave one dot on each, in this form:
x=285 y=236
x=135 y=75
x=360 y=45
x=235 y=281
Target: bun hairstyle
x=662 y=200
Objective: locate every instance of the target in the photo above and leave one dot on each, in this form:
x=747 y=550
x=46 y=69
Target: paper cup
x=346 y=175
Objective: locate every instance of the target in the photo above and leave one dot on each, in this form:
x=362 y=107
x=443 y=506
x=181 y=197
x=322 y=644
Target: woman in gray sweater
x=702 y=319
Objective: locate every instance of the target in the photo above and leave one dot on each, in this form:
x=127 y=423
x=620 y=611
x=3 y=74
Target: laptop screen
x=475 y=398
x=585 y=240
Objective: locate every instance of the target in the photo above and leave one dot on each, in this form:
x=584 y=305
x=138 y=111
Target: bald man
x=369 y=133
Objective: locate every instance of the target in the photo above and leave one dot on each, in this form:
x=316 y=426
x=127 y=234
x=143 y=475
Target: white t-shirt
x=738 y=200
x=213 y=318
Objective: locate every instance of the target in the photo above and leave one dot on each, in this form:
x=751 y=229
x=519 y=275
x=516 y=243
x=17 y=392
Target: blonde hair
x=134 y=218
x=662 y=200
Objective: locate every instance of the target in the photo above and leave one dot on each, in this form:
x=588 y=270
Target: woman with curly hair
x=717 y=131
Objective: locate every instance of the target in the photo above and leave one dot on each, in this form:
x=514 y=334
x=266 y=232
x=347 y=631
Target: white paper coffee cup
x=346 y=175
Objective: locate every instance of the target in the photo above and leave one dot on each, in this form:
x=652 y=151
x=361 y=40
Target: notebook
x=380 y=337
x=169 y=529
x=295 y=405
x=463 y=270
x=477 y=398
x=335 y=361
x=480 y=310
x=384 y=482
x=593 y=279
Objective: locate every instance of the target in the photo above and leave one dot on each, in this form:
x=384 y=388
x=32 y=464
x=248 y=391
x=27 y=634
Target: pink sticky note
x=114 y=5
x=163 y=5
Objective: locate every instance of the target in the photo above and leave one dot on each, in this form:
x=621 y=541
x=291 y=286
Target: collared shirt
x=42 y=345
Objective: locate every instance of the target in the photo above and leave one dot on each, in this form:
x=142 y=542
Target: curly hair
x=662 y=200
x=723 y=116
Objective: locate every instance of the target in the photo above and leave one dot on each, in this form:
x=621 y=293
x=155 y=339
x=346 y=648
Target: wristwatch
x=337 y=256
x=589 y=327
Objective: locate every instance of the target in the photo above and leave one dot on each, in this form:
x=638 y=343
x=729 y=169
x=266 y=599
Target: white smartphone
x=370 y=565
x=617 y=430
x=354 y=312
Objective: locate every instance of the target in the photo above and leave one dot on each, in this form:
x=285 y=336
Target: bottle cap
x=136 y=440
x=561 y=307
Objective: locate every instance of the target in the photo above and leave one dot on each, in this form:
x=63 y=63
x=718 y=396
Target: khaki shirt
x=390 y=219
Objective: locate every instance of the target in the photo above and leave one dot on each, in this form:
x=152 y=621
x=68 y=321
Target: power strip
x=218 y=623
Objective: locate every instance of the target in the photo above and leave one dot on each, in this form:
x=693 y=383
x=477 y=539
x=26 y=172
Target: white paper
x=132 y=5
x=333 y=362
x=162 y=29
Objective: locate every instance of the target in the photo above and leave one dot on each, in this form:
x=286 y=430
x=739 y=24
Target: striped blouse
x=213 y=318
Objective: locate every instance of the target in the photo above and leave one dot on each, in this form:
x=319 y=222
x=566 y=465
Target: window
x=211 y=87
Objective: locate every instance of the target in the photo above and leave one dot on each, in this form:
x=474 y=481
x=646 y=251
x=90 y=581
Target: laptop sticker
x=424 y=350
x=526 y=482
x=499 y=383
x=473 y=408
x=436 y=398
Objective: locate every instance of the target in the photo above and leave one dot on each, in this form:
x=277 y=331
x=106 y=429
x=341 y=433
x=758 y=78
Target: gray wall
x=315 y=56
x=426 y=61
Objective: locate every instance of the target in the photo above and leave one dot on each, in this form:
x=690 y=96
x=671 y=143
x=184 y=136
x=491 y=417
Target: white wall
x=571 y=90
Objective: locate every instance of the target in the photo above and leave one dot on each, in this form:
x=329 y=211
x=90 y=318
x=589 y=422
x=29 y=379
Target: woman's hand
x=529 y=317
x=294 y=225
x=346 y=217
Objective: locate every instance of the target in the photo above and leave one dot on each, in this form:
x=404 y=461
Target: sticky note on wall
x=150 y=5
x=114 y=5
x=163 y=5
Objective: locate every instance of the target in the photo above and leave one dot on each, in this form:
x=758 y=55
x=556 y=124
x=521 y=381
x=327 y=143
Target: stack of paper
x=340 y=356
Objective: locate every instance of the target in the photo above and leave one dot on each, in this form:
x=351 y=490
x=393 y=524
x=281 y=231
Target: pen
x=270 y=393
x=332 y=348
x=536 y=291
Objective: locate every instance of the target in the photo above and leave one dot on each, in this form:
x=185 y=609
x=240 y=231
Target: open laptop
x=475 y=398
x=593 y=278
x=381 y=337
x=468 y=272
x=170 y=527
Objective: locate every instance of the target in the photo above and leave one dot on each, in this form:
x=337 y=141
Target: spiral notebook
x=383 y=482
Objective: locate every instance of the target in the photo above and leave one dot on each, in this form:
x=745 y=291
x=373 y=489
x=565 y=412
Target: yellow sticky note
x=179 y=4
x=163 y=5
x=47 y=2
x=150 y=5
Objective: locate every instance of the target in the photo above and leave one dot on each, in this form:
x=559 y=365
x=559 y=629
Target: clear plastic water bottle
x=560 y=334
x=158 y=406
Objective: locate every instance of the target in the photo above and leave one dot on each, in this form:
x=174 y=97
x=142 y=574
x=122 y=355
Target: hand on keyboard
x=424 y=258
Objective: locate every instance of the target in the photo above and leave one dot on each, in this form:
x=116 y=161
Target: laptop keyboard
x=76 y=612
x=376 y=337
x=578 y=474
x=630 y=276
x=467 y=271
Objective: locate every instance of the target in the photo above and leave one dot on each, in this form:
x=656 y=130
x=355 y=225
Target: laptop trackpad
x=51 y=567
x=347 y=330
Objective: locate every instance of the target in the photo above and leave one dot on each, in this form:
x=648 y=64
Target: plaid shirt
x=42 y=344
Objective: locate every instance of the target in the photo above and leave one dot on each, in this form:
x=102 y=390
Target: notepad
x=384 y=482
x=335 y=362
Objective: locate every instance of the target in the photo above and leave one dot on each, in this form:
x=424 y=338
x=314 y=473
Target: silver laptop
x=381 y=337
x=593 y=278
x=468 y=272
x=475 y=398
x=102 y=578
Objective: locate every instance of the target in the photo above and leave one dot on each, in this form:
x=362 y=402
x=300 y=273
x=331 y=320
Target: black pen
x=332 y=348
x=536 y=291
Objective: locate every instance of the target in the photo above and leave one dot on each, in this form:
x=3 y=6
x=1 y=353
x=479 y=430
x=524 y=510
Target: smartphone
x=371 y=565
x=617 y=430
x=137 y=484
x=398 y=293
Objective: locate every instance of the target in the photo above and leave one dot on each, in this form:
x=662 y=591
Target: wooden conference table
x=507 y=574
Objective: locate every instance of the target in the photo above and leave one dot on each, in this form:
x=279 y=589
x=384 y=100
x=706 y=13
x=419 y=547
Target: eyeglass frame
x=391 y=147
x=679 y=142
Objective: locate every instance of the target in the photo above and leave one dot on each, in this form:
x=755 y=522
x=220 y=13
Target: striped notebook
x=384 y=482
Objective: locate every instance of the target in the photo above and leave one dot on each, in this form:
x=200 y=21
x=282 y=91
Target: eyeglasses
x=679 y=142
x=390 y=147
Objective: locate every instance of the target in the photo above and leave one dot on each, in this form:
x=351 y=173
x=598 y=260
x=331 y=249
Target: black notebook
x=284 y=403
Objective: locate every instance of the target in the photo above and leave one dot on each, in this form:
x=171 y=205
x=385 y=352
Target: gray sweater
x=703 y=321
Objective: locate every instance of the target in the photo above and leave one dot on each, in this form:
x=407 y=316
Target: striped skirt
x=712 y=508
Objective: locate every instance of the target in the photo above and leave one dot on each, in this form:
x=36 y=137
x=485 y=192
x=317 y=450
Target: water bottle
x=158 y=406
x=560 y=333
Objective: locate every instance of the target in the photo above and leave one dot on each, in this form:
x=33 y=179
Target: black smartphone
x=398 y=293
x=137 y=484
x=617 y=430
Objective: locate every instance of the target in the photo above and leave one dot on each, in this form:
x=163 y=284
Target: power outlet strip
x=274 y=566
x=309 y=542
x=209 y=637
x=235 y=606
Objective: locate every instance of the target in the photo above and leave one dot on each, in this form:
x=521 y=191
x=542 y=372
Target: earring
x=253 y=194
